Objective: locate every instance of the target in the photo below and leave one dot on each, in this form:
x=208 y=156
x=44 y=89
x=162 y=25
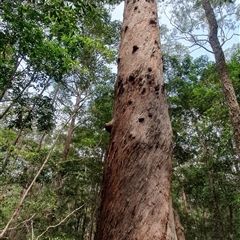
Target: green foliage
x=54 y=53
x=52 y=39
x=55 y=61
x=206 y=173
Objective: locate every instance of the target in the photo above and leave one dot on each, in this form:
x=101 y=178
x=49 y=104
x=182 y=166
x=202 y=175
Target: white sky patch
x=117 y=14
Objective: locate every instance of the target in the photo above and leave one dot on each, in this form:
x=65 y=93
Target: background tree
x=52 y=51
x=206 y=171
x=221 y=25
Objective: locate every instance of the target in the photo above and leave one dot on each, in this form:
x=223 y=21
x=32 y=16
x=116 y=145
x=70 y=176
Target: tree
x=205 y=187
x=51 y=52
x=136 y=202
x=191 y=19
x=227 y=86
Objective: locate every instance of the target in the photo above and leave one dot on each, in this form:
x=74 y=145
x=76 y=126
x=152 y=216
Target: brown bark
x=137 y=172
x=184 y=200
x=178 y=226
x=217 y=213
x=228 y=90
x=72 y=125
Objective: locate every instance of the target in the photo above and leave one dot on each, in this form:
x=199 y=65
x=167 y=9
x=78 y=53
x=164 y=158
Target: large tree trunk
x=228 y=90
x=136 y=201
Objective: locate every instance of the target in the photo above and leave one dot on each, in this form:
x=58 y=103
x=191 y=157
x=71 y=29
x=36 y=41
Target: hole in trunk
x=157 y=88
x=150 y=82
x=153 y=21
x=143 y=91
x=163 y=88
x=135 y=48
x=131 y=79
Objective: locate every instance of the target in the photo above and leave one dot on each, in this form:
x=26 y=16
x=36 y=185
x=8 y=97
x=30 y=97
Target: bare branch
x=188 y=36
x=227 y=39
x=53 y=226
x=16 y=65
x=25 y=221
x=19 y=95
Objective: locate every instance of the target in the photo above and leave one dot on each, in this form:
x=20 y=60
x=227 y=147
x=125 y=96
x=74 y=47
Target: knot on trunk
x=108 y=126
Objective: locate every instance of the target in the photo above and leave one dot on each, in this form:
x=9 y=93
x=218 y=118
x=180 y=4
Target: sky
x=117 y=14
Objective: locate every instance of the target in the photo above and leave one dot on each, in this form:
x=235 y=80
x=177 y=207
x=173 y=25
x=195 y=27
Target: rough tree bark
x=228 y=90
x=136 y=201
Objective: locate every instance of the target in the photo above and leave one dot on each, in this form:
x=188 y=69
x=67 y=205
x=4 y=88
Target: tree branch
x=32 y=183
x=53 y=226
x=188 y=36
x=27 y=220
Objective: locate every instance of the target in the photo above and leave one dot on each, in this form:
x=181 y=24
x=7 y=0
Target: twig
x=53 y=226
x=187 y=35
x=12 y=228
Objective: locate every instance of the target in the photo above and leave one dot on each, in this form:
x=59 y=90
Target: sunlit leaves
x=51 y=53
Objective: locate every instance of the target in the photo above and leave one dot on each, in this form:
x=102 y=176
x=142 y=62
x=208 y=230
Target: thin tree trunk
x=230 y=222
x=14 y=232
x=9 y=83
x=9 y=154
x=69 y=136
x=45 y=133
x=178 y=226
x=136 y=201
x=217 y=214
x=228 y=90
x=184 y=200
x=41 y=141
x=17 y=98
x=93 y=218
x=83 y=227
x=72 y=126
x=18 y=137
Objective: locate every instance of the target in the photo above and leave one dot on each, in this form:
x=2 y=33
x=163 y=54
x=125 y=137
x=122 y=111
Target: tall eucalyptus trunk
x=228 y=90
x=136 y=202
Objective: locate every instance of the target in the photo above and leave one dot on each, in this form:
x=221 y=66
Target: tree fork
x=136 y=202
